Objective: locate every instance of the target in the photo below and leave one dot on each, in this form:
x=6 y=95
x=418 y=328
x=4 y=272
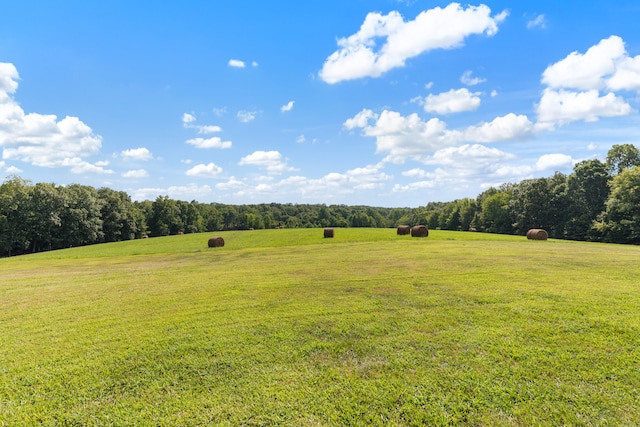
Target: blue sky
x=378 y=102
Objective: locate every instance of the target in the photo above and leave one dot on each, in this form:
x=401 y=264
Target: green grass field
x=284 y=327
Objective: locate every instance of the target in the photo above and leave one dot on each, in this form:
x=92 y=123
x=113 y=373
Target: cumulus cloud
x=437 y=28
x=43 y=140
x=178 y=192
x=562 y=106
x=188 y=118
x=583 y=86
x=188 y=121
x=409 y=137
x=12 y=170
x=208 y=170
x=468 y=80
x=456 y=167
x=334 y=184
x=236 y=63
x=626 y=75
x=232 y=184
x=506 y=128
x=137 y=154
x=214 y=142
x=272 y=161
x=287 y=107
x=470 y=164
x=453 y=101
x=586 y=71
x=138 y=173
x=554 y=162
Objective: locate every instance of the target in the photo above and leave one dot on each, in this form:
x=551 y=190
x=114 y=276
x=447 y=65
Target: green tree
x=15 y=203
x=495 y=216
x=190 y=217
x=121 y=218
x=81 y=216
x=165 y=217
x=620 y=222
x=45 y=216
x=361 y=219
x=588 y=189
x=621 y=157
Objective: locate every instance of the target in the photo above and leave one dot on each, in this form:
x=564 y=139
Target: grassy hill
x=284 y=327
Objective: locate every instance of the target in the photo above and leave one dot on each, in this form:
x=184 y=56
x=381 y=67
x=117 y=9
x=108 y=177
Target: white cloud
x=138 y=173
x=539 y=21
x=188 y=118
x=8 y=80
x=254 y=64
x=506 y=128
x=403 y=138
x=43 y=140
x=554 y=162
x=78 y=166
x=270 y=160
x=214 y=142
x=586 y=71
x=360 y=120
x=626 y=75
x=236 y=63
x=208 y=129
x=12 y=170
x=232 y=184
x=301 y=139
x=470 y=158
x=188 y=121
x=209 y=170
x=575 y=84
x=287 y=107
x=246 y=116
x=331 y=185
x=471 y=81
x=182 y=192
x=453 y=101
x=137 y=154
x=471 y=165
x=561 y=107
x=416 y=173
x=437 y=28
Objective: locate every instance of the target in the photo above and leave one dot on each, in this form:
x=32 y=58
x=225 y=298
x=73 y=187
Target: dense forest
x=598 y=201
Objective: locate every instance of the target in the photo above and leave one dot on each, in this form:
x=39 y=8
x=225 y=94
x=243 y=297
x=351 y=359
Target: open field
x=283 y=327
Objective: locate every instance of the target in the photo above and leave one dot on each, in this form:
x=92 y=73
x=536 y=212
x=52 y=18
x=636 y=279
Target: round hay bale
x=328 y=232
x=216 y=242
x=404 y=230
x=419 y=231
x=537 y=234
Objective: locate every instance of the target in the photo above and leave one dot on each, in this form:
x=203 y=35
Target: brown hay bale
x=216 y=242
x=404 y=230
x=537 y=234
x=328 y=232
x=419 y=231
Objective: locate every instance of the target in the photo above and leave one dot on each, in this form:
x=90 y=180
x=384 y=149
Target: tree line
x=598 y=201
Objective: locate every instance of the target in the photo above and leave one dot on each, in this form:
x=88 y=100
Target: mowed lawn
x=284 y=327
